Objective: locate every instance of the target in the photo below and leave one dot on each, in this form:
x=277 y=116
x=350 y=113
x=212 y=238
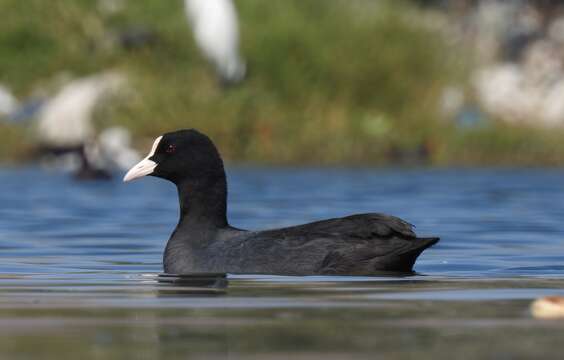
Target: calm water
x=79 y=265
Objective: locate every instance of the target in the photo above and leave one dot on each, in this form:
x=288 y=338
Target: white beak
x=145 y=166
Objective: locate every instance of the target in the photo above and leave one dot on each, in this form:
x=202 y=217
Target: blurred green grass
x=330 y=81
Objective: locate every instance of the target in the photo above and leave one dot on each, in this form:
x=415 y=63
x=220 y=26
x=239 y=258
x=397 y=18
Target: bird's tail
x=420 y=244
x=407 y=257
x=427 y=242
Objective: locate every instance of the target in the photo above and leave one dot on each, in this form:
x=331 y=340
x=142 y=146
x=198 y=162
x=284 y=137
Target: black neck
x=203 y=203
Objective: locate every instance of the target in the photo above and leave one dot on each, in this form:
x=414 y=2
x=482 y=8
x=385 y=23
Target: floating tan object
x=549 y=307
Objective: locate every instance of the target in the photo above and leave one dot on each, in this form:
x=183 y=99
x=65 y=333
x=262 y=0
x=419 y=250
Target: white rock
x=115 y=147
x=66 y=120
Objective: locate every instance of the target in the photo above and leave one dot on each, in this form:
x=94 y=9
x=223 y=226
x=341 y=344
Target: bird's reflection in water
x=192 y=284
x=192 y=335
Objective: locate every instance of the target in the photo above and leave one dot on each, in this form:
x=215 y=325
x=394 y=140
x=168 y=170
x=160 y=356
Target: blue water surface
x=492 y=223
x=80 y=264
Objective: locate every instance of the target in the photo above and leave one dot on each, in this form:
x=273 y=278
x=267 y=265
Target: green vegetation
x=331 y=81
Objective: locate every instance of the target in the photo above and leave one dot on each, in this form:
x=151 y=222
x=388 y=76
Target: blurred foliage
x=330 y=81
x=502 y=144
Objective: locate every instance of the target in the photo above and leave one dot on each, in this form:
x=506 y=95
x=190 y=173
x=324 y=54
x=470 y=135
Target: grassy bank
x=330 y=82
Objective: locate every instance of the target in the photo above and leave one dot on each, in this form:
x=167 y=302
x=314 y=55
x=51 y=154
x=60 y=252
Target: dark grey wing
x=354 y=245
x=363 y=226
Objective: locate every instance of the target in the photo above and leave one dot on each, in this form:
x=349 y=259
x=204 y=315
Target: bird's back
x=362 y=244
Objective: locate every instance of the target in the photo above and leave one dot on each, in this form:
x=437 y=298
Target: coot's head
x=180 y=156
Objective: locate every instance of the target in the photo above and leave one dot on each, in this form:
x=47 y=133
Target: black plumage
x=203 y=241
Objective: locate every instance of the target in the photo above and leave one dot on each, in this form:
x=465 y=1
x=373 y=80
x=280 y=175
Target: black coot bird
x=203 y=240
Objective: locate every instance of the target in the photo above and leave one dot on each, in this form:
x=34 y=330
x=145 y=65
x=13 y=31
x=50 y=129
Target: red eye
x=171 y=149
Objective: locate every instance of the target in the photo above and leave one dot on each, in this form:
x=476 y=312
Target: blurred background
x=461 y=82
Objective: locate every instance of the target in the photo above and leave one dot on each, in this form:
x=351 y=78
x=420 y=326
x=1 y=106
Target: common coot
x=203 y=240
